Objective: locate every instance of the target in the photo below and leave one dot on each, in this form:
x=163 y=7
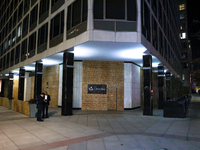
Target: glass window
x=44 y=6
x=33 y=17
x=12 y=55
x=11 y=7
x=184 y=54
x=183 y=35
x=15 y=3
x=8 y=60
x=26 y=6
x=24 y=47
x=20 y=10
x=69 y=23
x=185 y=64
x=57 y=25
x=115 y=10
x=84 y=11
x=131 y=10
x=19 y=30
x=10 y=24
x=182 y=15
x=182 y=7
x=183 y=26
x=9 y=40
x=15 y=18
x=17 y=52
x=5 y=44
x=184 y=44
x=76 y=13
x=98 y=9
x=183 y=77
x=13 y=36
x=42 y=34
x=53 y=2
x=32 y=42
x=25 y=23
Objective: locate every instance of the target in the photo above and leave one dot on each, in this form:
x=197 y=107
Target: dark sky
x=194 y=26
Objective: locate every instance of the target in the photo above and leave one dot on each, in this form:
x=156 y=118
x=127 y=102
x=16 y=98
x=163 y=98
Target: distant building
x=186 y=53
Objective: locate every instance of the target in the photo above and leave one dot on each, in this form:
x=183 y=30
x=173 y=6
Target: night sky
x=194 y=26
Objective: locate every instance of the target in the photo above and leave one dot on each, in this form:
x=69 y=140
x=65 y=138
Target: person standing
x=46 y=105
x=40 y=102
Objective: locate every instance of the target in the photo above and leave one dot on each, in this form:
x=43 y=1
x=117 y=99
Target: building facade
x=186 y=53
x=92 y=54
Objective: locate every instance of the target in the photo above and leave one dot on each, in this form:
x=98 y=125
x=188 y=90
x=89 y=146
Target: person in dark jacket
x=40 y=102
x=46 y=104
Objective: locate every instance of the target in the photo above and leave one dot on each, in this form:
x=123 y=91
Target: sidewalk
x=101 y=130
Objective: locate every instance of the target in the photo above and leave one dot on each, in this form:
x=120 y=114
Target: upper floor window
x=20 y=10
x=182 y=15
x=184 y=55
x=25 y=23
x=183 y=77
x=57 y=24
x=42 y=34
x=33 y=18
x=44 y=7
x=26 y=6
x=183 y=35
x=53 y=2
x=120 y=9
x=19 y=30
x=182 y=7
x=77 y=13
x=183 y=26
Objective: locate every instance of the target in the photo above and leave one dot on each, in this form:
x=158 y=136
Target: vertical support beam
x=147 y=82
x=38 y=79
x=10 y=89
x=2 y=88
x=67 y=87
x=168 y=91
x=10 y=86
x=21 y=84
x=161 y=90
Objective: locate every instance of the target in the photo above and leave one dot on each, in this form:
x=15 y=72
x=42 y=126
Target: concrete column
x=168 y=76
x=21 y=84
x=161 y=89
x=10 y=89
x=147 y=82
x=10 y=86
x=2 y=89
x=27 y=87
x=67 y=85
x=38 y=78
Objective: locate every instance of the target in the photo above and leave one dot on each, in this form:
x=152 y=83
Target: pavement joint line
x=9 y=137
x=168 y=127
x=103 y=135
x=153 y=124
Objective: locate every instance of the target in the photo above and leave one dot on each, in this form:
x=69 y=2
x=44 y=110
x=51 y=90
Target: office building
x=89 y=54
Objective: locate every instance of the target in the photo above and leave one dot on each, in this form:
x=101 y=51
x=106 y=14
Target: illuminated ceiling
x=102 y=51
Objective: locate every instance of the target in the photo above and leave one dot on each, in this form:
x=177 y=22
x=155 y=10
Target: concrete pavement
x=101 y=130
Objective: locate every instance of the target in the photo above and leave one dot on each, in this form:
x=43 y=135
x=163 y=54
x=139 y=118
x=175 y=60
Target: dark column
x=147 y=82
x=2 y=88
x=21 y=84
x=67 y=86
x=10 y=86
x=161 y=91
x=38 y=78
x=168 y=76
